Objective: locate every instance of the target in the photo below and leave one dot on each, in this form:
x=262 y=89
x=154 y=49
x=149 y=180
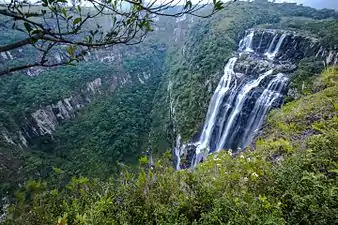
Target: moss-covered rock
x=295 y=123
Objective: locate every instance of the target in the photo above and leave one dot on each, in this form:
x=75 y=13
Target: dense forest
x=256 y=187
x=77 y=141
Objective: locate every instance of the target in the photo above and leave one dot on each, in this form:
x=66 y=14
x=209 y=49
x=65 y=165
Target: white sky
x=313 y=3
x=298 y=1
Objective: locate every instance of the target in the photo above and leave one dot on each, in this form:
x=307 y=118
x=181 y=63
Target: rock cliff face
x=102 y=55
x=291 y=46
x=46 y=119
x=254 y=81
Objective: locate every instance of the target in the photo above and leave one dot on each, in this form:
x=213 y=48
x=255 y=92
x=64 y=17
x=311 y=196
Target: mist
x=320 y=4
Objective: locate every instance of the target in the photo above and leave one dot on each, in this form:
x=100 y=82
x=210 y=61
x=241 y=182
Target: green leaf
x=36 y=31
x=28 y=27
x=44 y=3
x=64 y=12
x=188 y=5
x=71 y=51
x=219 y=5
x=77 y=20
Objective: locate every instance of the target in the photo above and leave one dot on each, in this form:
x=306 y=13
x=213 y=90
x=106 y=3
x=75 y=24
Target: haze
x=330 y=4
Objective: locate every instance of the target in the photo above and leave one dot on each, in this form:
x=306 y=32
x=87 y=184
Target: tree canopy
x=51 y=26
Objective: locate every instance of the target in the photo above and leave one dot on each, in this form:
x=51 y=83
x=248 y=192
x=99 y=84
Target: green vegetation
x=113 y=127
x=291 y=178
x=326 y=29
x=194 y=71
x=304 y=78
x=24 y=94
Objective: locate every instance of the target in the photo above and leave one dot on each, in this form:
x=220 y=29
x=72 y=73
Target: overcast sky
x=312 y=3
x=316 y=3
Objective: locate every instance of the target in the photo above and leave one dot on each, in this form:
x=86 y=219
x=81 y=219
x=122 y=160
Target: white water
x=215 y=103
x=178 y=151
x=241 y=97
x=260 y=42
x=246 y=43
x=240 y=103
x=272 y=43
x=263 y=104
x=272 y=54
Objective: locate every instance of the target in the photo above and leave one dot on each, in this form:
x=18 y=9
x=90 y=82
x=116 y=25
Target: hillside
x=77 y=142
x=291 y=178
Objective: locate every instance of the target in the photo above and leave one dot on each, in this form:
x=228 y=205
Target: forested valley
x=229 y=119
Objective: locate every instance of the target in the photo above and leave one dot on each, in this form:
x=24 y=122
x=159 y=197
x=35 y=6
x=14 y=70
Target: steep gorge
x=254 y=81
x=85 y=125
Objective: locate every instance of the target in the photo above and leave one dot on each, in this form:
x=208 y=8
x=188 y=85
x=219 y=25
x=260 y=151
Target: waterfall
x=241 y=97
x=262 y=105
x=177 y=152
x=260 y=42
x=272 y=54
x=246 y=92
x=272 y=43
x=215 y=103
x=249 y=87
x=246 y=43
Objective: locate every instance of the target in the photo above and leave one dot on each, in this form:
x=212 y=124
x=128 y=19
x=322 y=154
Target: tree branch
x=18 y=44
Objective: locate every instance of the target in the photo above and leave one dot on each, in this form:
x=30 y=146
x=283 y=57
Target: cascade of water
x=262 y=106
x=177 y=151
x=228 y=106
x=272 y=55
x=260 y=42
x=241 y=44
x=246 y=42
x=319 y=51
x=215 y=104
x=239 y=102
x=272 y=43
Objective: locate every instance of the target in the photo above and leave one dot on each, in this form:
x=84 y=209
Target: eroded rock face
x=293 y=46
x=254 y=81
x=106 y=55
x=95 y=85
x=253 y=66
x=46 y=119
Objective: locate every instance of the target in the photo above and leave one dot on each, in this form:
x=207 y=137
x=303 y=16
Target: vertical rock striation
x=253 y=82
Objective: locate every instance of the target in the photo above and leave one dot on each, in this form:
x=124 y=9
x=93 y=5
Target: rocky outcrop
x=253 y=66
x=107 y=55
x=46 y=119
x=254 y=81
x=290 y=45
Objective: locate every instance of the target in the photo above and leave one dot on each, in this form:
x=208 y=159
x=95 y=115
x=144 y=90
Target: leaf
x=188 y=5
x=64 y=12
x=34 y=40
x=93 y=33
x=219 y=5
x=71 y=50
x=28 y=27
x=77 y=20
